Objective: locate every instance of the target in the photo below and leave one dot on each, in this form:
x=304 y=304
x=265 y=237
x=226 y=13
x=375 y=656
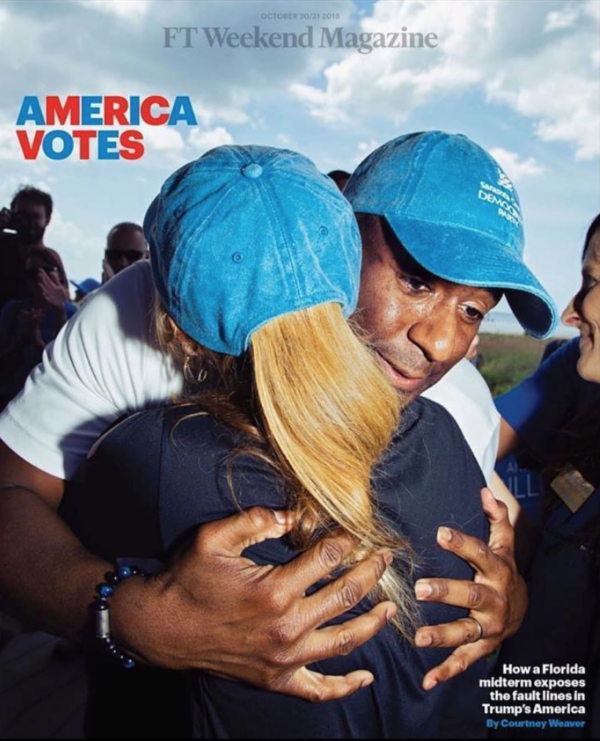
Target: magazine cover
x=299 y=369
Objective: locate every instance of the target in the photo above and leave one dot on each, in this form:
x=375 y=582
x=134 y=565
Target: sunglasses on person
x=131 y=255
x=32 y=273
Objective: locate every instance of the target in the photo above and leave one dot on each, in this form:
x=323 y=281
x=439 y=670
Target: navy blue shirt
x=160 y=474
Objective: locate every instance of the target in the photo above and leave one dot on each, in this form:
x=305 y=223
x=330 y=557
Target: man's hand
x=497 y=598
x=107 y=271
x=53 y=292
x=216 y=611
x=5 y=217
x=211 y=609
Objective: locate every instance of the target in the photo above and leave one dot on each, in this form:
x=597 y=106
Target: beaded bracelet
x=100 y=606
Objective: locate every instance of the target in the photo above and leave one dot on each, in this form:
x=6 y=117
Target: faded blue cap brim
x=463 y=256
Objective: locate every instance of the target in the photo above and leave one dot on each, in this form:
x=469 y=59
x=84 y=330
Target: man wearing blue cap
x=83 y=289
x=442 y=237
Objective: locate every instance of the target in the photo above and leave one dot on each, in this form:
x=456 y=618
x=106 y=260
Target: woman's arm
x=504 y=494
x=509 y=440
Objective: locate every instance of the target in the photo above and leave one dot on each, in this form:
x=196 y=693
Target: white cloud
x=118 y=48
x=363 y=149
x=202 y=141
x=515 y=166
x=10 y=149
x=557 y=20
x=128 y=9
x=162 y=138
x=9 y=185
x=483 y=45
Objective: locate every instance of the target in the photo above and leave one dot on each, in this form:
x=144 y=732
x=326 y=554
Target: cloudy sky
x=520 y=77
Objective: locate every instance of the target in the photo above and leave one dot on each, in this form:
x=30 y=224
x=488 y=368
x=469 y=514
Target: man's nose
x=435 y=335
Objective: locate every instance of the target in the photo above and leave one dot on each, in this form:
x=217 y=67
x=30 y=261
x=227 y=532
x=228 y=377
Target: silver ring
x=479 y=625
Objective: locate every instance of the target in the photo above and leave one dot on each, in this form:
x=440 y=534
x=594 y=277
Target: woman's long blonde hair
x=315 y=405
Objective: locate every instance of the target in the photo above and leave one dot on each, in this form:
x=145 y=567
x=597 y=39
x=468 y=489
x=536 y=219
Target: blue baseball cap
x=245 y=234
x=457 y=213
x=86 y=286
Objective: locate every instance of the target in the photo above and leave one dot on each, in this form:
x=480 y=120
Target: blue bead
x=104 y=590
x=128 y=663
x=123 y=572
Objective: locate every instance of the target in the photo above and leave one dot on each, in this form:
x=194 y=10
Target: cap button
x=252 y=171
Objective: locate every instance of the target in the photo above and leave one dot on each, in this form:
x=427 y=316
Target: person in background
x=84 y=289
x=340 y=178
x=125 y=245
x=28 y=325
x=22 y=229
x=555 y=416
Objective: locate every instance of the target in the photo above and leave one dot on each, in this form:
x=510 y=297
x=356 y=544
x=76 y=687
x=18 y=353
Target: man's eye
x=414 y=284
x=473 y=313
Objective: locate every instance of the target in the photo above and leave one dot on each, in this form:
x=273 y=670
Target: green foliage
x=508 y=359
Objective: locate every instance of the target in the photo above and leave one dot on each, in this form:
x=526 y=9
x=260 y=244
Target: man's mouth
x=401 y=379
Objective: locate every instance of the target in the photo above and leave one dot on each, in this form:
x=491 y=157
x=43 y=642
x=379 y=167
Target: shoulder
x=139 y=433
x=181 y=436
x=434 y=420
x=465 y=394
x=429 y=472
x=124 y=304
x=430 y=445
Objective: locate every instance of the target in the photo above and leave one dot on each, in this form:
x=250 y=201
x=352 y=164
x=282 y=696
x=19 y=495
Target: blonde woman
x=256 y=258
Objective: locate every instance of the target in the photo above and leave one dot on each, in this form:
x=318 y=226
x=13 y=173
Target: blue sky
x=520 y=77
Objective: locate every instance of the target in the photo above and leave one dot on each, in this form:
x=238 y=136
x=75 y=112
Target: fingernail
x=388 y=558
x=445 y=533
x=423 y=590
x=424 y=639
x=367 y=682
x=429 y=684
x=391 y=613
x=280 y=516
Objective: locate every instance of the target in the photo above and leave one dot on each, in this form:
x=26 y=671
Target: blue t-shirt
x=563 y=619
x=542 y=404
x=161 y=474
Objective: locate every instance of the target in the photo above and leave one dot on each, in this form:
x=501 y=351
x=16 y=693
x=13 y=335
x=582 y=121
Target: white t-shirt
x=104 y=365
